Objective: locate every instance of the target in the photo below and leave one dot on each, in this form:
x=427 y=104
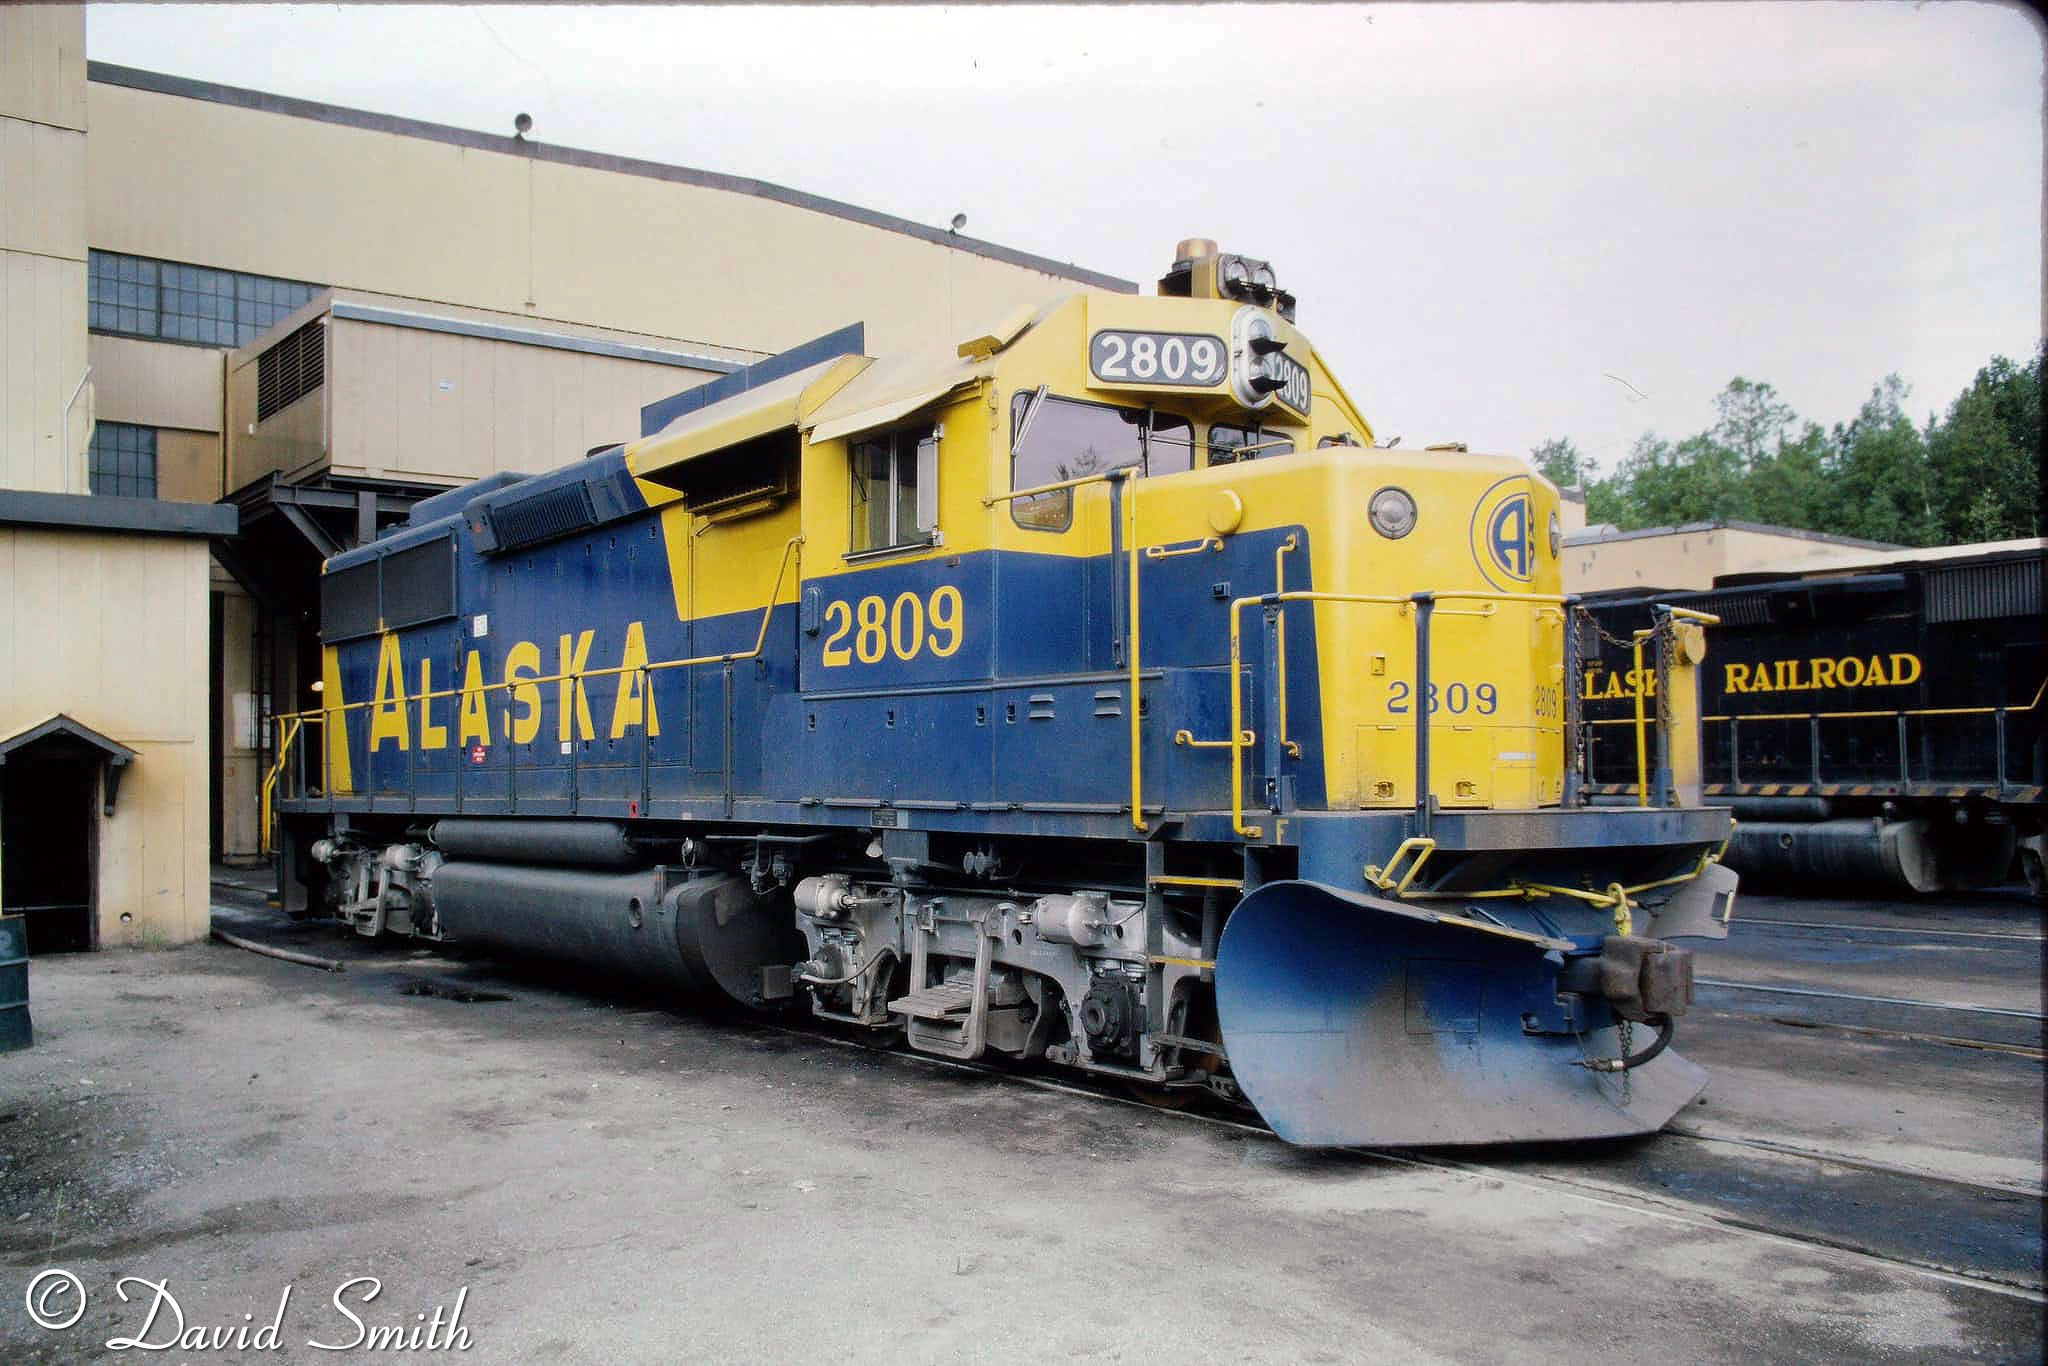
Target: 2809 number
x=905 y=628
x=1455 y=698
x=1158 y=358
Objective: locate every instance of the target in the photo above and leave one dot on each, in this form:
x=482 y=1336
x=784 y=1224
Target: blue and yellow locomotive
x=1094 y=691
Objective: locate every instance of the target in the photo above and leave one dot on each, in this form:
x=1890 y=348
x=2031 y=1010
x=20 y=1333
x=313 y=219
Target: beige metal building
x=268 y=325
x=1600 y=558
x=103 y=735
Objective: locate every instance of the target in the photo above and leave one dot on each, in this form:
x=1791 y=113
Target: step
x=941 y=1002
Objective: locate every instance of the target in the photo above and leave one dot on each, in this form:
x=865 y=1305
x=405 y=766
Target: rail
x=294 y=726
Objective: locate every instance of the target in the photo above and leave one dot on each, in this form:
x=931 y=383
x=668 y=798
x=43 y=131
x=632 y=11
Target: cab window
x=895 y=489
x=1054 y=439
x=1229 y=444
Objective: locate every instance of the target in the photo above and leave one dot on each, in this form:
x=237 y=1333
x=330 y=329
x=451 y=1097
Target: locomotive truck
x=1093 y=692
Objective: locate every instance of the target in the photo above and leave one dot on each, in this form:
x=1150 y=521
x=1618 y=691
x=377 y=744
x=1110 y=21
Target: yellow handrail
x=1160 y=552
x=1131 y=657
x=1642 y=741
x=287 y=731
x=1241 y=739
x=1280 y=646
x=992 y=499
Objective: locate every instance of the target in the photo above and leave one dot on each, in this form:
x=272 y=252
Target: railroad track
x=2020 y=1050
x=1751 y=922
x=1587 y=1188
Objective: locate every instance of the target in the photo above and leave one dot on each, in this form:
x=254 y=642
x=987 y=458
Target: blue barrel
x=15 y=1029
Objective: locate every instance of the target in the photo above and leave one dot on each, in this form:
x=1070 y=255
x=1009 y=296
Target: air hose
x=1666 y=1027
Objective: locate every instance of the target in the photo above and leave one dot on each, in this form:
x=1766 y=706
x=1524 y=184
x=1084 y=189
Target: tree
x=1559 y=461
x=1881 y=490
x=1983 y=461
x=1751 y=420
x=1974 y=476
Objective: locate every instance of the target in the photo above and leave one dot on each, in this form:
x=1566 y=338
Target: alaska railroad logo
x=1503 y=535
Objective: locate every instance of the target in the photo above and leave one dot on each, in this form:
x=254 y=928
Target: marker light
x=1392 y=513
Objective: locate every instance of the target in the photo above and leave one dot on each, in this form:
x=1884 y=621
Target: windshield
x=1071 y=439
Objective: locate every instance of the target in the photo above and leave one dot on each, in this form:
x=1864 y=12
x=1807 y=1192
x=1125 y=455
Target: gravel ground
x=599 y=1178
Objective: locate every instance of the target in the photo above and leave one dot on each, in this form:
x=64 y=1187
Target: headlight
x=1263 y=277
x=1556 y=535
x=1392 y=512
x=1233 y=274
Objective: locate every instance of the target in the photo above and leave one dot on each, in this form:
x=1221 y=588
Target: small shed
x=57 y=779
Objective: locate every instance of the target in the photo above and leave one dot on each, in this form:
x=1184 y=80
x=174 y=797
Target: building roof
x=1603 y=535
x=1847 y=560
x=155 y=82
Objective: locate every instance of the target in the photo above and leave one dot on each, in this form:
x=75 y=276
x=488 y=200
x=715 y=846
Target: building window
x=135 y=296
x=895 y=488
x=1070 y=439
x=123 y=460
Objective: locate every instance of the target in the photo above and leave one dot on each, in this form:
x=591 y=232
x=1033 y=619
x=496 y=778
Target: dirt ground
x=603 y=1179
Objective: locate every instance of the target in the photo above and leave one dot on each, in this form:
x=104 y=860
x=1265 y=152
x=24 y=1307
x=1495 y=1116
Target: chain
x=1624 y=1033
x=1601 y=631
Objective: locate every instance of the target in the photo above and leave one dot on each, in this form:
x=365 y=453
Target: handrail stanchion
x=1905 y=765
x=1275 y=745
x=646 y=725
x=1576 y=743
x=1425 y=606
x=1998 y=729
x=1813 y=749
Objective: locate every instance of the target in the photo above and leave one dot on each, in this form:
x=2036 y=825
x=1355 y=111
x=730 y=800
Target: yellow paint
x=431 y=735
x=636 y=700
x=387 y=706
x=572 y=661
x=523 y=661
x=475 y=721
x=334 y=724
x=1809 y=675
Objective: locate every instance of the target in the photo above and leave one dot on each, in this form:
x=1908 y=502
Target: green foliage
x=1972 y=476
x=1559 y=461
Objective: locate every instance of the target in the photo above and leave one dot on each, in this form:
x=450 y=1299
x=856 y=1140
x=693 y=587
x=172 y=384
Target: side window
x=1070 y=439
x=1228 y=444
x=895 y=488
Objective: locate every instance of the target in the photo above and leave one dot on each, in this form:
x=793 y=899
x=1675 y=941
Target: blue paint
x=1350 y=1021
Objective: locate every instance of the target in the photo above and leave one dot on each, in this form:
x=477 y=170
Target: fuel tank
x=705 y=934
x=1921 y=855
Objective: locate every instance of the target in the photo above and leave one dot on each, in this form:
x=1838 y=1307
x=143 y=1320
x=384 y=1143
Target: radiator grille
x=542 y=516
x=1978 y=592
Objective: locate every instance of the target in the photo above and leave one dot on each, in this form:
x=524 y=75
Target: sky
x=1505 y=223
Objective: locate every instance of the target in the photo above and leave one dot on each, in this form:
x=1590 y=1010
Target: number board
x=1294 y=390
x=1186 y=359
